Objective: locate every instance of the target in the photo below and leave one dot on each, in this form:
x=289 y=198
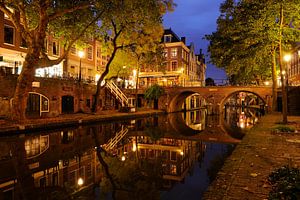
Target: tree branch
x=60 y=13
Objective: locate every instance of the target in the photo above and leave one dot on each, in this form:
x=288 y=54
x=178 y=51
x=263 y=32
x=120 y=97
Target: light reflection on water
x=172 y=156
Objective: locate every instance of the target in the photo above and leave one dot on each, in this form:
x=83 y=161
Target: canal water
x=174 y=156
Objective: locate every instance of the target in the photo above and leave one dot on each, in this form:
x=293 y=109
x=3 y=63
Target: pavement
x=65 y=120
x=244 y=175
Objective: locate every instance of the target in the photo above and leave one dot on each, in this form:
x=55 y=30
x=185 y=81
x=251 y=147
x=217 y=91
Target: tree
x=253 y=34
x=209 y=82
x=154 y=92
x=68 y=20
x=76 y=21
x=134 y=24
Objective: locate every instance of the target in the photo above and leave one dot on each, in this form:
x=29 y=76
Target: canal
x=174 y=156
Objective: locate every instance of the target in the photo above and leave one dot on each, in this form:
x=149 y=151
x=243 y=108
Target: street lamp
x=287 y=58
x=80 y=54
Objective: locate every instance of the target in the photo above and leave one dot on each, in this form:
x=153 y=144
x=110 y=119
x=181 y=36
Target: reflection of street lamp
x=80 y=54
x=80 y=181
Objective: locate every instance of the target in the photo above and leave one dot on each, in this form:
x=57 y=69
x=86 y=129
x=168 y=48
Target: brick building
x=182 y=66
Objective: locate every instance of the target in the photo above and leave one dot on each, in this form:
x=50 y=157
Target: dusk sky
x=193 y=19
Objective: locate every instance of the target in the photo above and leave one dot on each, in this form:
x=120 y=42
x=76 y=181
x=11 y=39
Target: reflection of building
x=177 y=156
x=195 y=119
x=55 y=161
x=182 y=68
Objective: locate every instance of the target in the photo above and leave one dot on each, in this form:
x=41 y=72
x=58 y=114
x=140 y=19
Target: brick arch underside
x=176 y=102
x=235 y=92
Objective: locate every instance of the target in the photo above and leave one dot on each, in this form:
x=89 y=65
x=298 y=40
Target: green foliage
x=248 y=34
x=283 y=128
x=209 y=82
x=285 y=183
x=154 y=92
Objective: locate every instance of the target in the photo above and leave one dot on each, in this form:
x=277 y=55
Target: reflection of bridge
x=215 y=96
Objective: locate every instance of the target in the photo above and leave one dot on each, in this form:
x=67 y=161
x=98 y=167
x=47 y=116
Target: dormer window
x=167 y=38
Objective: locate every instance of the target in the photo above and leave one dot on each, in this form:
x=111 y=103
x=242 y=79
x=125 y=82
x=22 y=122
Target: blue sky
x=194 y=19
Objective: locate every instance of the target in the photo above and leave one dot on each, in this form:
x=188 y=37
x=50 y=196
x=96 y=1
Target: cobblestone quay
x=245 y=173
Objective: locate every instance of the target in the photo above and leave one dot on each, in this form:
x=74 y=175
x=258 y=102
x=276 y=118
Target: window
x=173 y=66
x=73 y=50
x=173 y=156
x=166 y=53
x=98 y=52
x=55 y=48
x=45 y=48
x=174 y=52
x=167 y=38
x=23 y=43
x=9 y=33
x=90 y=53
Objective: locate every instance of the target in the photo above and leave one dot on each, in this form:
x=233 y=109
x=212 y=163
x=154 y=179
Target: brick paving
x=244 y=174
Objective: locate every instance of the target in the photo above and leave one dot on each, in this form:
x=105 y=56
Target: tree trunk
x=23 y=87
x=99 y=87
x=283 y=85
x=274 y=79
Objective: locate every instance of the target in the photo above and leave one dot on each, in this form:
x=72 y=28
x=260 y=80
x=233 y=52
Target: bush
x=285 y=183
x=284 y=129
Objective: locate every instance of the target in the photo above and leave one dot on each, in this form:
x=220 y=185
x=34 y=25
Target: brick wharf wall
x=54 y=90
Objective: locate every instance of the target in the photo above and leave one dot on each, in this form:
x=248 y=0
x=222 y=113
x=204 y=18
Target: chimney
x=183 y=40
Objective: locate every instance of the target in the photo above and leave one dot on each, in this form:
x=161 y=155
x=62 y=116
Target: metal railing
x=115 y=140
x=115 y=90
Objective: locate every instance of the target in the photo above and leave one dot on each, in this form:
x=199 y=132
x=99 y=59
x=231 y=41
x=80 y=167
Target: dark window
x=8 y=34
x=88 y=103
x=23 y=43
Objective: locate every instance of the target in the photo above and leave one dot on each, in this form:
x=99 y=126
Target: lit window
x=90 y=53
x=174 y=66
x=9 y=33
x=165 y=53
x=173 y=52
x=98 y=52
x=73 y=50
x=173 y=169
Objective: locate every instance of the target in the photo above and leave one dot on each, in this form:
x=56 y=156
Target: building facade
x=293 y=68
x=182 y=66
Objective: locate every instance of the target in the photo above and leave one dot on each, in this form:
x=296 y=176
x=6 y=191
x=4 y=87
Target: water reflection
x=152 y=158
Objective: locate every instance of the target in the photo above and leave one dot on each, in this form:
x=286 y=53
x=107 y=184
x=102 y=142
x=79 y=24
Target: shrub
x=285 y=183
x=283 y=128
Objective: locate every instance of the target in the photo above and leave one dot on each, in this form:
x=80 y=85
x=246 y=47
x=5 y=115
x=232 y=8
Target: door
x=33 y=105
x=67 y=104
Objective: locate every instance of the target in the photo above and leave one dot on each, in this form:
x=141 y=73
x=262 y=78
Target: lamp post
x=285 y=73
x=80 y=54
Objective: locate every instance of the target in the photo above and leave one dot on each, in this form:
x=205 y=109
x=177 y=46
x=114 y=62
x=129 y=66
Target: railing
x=115 y=90
x=114 y=141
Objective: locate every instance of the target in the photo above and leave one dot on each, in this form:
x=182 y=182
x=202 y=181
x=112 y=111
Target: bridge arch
x=176 y=102
x=216 y=96
x=261 y=100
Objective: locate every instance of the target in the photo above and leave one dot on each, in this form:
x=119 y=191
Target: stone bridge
x=215 y=96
